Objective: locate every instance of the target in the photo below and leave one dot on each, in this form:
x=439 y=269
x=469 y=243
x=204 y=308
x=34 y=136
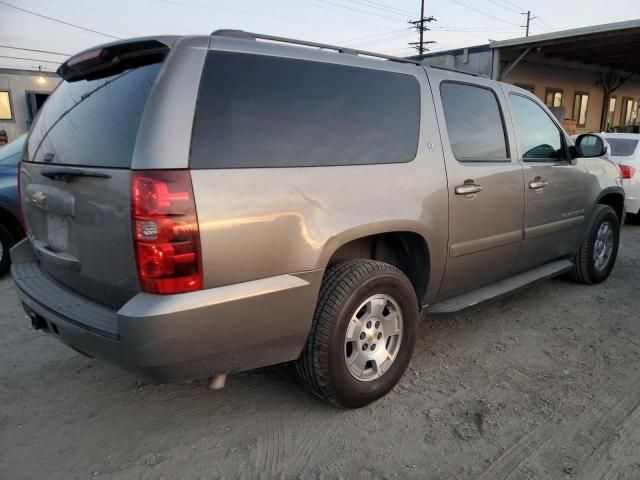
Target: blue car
x=10 y=228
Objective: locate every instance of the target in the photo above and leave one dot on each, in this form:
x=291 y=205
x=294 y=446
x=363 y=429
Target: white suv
x=626 y=153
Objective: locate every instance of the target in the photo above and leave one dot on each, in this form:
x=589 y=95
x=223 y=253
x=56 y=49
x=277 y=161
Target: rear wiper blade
x=66 y=174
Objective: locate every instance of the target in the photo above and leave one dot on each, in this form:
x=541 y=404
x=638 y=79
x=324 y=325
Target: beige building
x=588 y=76
x=22 y=93
x=580 y=94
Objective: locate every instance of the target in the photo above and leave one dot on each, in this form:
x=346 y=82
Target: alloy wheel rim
x=603 y=246
x=373 y=337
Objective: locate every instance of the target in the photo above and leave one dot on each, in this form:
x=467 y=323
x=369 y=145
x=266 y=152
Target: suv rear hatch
x=75 y=180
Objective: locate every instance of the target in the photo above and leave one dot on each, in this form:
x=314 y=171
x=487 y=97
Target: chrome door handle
x=538 y=183
x=469 y=188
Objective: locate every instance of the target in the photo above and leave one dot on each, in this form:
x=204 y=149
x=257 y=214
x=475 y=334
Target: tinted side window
x=540 y=138
x=474 y=122
x=262 y=111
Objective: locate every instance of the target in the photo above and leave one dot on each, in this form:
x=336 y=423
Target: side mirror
x=590 y=146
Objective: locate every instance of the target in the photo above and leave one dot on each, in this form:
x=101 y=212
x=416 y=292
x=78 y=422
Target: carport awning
x=614 y=46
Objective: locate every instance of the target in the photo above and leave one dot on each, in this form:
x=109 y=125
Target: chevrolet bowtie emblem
x=38 y=198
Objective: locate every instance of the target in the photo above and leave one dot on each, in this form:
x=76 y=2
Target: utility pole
x=420 y=26
x=529 y=18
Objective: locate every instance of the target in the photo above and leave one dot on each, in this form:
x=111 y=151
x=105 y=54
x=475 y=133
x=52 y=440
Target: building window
x=553 y=97
x=35 y=100
x=527 y=87
x=5 y=106
x=580 y=104
x=626 y=116
x=611 y=111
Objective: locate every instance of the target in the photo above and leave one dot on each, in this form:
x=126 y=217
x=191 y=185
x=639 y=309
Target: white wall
x=18 y=82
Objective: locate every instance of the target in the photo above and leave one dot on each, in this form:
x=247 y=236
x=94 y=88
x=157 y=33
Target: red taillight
x=20 y=212
x=165 y=231
x=627 y=171
x=91 y=55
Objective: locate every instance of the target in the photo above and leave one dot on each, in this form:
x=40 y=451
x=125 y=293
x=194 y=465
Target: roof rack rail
x=324 y=46
x=456 y=70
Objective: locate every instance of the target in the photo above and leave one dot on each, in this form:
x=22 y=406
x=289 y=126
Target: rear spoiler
x=112 y=59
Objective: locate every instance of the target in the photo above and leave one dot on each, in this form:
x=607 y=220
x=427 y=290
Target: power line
x=34 y=67
x=36 y=50
x=111 y=14
x=59 y=21
x=30 y=59
x=545 y=23
x=485 y=13
x=511 y=9
x=389 y=7
x=373 y=36
x=513 y=4
x=382 y=40
x=472 y=30
x=250 y=12
x=361 y=11
x=402 y=50
x=382 y=9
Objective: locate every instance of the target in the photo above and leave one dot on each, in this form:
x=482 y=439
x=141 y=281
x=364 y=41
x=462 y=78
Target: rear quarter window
x=263 y=111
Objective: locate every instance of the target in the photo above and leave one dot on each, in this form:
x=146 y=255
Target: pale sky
x=374 y=25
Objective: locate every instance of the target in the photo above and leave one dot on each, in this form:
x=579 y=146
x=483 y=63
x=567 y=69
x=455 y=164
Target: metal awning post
x=495 y=67
x=513 y=64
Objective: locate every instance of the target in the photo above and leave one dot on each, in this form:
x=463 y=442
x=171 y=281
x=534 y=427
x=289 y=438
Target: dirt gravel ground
x=544 y=384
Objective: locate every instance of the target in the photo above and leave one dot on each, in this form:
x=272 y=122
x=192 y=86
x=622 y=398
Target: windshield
x=11 y=153
x=622 y=147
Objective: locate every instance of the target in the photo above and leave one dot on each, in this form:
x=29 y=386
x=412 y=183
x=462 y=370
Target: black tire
x=322 y=365
x=7 y=241
x=584 y=266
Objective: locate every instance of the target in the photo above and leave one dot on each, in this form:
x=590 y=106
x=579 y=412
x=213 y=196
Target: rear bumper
x=177 y=337
x=632 y=205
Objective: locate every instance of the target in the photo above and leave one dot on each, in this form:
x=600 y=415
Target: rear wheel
x=597 y=254
x=363 y=333
x=6 y=242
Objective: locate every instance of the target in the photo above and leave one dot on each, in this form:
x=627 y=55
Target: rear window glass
x=93 y=123
x=622 y=147
x=261 y=111
x=474 y=122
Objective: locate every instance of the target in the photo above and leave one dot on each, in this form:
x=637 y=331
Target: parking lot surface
x=543 y=384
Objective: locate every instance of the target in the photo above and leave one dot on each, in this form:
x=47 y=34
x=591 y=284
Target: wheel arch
x=405 y=248
x=613 y=197
x=9 y=220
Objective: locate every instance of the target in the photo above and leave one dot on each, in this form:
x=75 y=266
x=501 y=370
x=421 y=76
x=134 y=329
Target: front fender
x=605 y=180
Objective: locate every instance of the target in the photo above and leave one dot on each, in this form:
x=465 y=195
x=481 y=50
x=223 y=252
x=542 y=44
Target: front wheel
x=363 y=333
x=597 y=254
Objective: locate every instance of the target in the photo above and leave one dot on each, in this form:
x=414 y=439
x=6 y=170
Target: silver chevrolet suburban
x=197 y=206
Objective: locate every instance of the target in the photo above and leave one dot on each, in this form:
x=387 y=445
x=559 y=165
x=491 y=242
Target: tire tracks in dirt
x=608 y=426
